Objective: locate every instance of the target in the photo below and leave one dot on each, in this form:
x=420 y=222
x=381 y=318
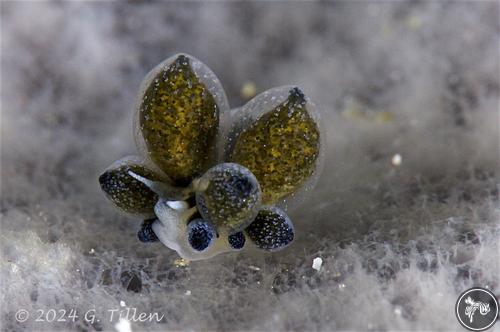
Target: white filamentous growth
x=405 y=239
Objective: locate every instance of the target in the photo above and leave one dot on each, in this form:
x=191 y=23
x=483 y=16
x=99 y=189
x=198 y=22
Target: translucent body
x=171 y=230
x=272 y=146
x=177 y=117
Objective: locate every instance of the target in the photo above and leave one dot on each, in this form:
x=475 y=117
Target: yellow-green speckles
x=229 y=196
x=179 y=121
x=280 y=148
x=128 y=194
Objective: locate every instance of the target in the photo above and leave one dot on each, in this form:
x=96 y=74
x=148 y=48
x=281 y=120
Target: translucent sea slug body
x=212 y=180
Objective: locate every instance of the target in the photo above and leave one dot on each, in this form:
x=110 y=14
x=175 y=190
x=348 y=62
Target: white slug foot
x=171 y=228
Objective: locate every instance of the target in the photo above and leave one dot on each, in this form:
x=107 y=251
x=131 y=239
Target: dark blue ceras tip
x=236 y=240
x=146 y=233
x=201 y=234
x=271 y=230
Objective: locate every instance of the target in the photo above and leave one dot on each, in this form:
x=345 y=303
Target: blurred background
x=405 y=216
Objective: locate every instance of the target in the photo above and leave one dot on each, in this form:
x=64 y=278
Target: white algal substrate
x=400 y=238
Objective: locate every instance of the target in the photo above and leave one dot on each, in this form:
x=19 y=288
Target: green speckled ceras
x=203 y=202
x=179 y=120
x=126 y=192
x=280 y=148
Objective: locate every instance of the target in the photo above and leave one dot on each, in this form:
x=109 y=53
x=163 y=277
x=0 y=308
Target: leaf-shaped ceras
x=125 y=192
x=281 y=147
x=178 y=117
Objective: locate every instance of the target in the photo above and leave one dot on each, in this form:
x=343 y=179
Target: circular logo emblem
x=477 y=309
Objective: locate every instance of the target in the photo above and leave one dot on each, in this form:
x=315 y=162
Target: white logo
x=477 y=309
x=484 y=308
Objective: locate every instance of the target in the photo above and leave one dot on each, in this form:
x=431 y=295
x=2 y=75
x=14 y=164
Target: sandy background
x=399 y=243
